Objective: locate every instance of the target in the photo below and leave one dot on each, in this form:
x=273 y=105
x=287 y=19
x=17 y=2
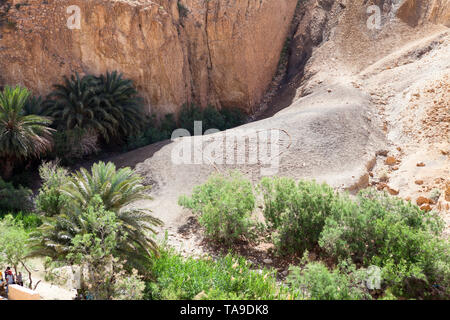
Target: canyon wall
x=219 y=52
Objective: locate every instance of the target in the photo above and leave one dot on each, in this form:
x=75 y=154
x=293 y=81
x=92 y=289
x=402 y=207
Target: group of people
x=9 y=279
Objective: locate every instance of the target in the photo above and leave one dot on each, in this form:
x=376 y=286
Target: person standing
x=9 y=276
x=19 y=280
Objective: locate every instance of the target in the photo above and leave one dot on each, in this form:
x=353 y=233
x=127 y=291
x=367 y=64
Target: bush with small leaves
x=224 y=205
x=296 y=212
x=316 y=282
x=378 y=229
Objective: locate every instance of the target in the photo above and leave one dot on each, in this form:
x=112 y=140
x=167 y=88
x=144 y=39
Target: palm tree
x=75 y=105
x=21 y=136
x=118 y=190
x=119 y=97
x=107 y=104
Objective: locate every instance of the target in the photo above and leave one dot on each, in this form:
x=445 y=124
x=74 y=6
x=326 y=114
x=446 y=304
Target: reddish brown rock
x=381 y=186
x=422 y=200
x=393 y=192
x=426 y=208
x=420 y=164
x=390 y=161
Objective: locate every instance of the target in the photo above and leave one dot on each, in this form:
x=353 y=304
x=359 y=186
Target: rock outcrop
x=220 y=52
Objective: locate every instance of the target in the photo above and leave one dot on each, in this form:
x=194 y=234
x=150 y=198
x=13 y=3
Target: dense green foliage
x=210 y=117
x=373 y=229
x=34 y=106
x=230 y=277
x=21 y=136
x=224 y=205
x=154 y=131
x=74 y=144
x=30 y=221
x=395 y=235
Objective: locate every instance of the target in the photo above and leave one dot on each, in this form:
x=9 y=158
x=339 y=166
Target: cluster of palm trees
x=109 y=105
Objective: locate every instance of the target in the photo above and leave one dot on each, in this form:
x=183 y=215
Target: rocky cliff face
x=416 y=12
x=220 y=52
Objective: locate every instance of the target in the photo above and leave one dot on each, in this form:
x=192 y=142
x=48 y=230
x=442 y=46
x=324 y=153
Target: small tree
x=14 y=245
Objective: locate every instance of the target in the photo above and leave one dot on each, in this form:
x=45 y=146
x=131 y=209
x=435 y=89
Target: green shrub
x=415 y=264
x=14 y=199
x=397 y=236
x=50 y=201
x=316 y=282
x=233 y=117
x=213 y=119
x=296 y=212
x=14 y=239
x=354 y=230
x=154 y=131
x=188 y=115
x=224 y=205
x=227 y=278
